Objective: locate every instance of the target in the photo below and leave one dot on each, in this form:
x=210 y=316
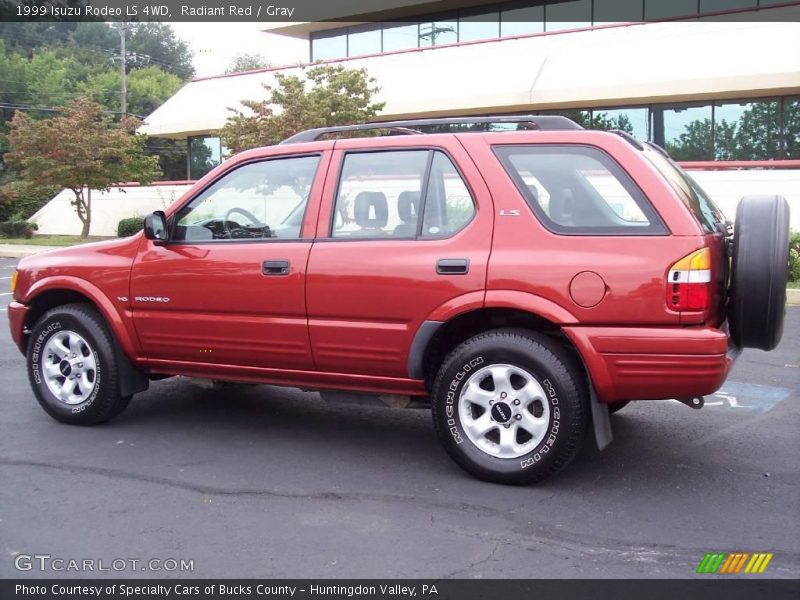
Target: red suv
x=520 y=283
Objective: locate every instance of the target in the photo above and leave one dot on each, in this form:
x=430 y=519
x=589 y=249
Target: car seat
x=371 y=212
x=408 y=211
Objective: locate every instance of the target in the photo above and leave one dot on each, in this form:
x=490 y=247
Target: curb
x=793 y=297
x=21 y=251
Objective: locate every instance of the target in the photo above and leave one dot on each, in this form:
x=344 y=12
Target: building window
x=400 y=37
x=630 y=120
x=437 y=33
x=708 y=6
x=687 y=131
x=363 y=41
x=205 y=153
x=521 y=21
x=581 y=117
x=747 y=130
x=568 y=15
x=791 y=127
x=479 y=27
x=658 y=9
x=328 y=47
x=617 y=11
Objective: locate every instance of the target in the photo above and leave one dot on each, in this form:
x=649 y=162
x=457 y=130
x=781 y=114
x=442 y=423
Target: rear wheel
x=510 y=406
x=72 y=367
x=759 y=271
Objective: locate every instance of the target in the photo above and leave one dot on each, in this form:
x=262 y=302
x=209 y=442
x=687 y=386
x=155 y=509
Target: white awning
x=615 y=66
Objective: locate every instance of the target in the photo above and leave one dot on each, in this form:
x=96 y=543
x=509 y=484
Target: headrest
x=562 y=206
x=408 y=206
x=371 y=210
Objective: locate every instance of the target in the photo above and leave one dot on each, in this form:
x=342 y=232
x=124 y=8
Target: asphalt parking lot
x=263 y=482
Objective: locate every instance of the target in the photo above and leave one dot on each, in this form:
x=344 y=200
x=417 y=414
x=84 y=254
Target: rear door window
x=409 y=194
x=579 y=190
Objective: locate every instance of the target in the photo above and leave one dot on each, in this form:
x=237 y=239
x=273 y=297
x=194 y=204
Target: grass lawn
x=793 y=285
x=52 y=240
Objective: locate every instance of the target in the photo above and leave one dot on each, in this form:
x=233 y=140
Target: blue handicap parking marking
x=749 y=397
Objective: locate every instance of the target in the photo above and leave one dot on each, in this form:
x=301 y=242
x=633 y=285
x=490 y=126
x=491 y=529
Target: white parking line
x=6 y=293
x=5 y=277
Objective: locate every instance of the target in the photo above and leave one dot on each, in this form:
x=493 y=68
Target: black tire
x=554 y=370
x=617 y=406
x=759 y=272
x=103 y=401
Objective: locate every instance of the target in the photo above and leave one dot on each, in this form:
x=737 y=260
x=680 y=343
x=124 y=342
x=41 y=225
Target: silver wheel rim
x=69 y=366
x=504 y=411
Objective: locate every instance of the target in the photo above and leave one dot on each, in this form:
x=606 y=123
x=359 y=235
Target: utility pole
x=122 y=29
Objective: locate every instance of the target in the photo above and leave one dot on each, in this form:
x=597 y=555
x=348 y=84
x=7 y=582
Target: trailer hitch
x=696 y=403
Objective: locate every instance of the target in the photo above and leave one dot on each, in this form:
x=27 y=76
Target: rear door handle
x=452 y=266
x=275 y=267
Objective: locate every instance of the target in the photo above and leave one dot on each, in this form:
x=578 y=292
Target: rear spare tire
x=759 y=271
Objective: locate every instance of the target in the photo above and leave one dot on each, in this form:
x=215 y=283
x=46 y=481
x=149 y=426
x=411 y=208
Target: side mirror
x=155 y=226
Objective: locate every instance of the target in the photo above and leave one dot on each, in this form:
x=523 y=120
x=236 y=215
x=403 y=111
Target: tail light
x=689 y=282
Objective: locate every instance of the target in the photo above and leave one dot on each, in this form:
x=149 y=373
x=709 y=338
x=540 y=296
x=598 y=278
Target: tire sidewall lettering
x=555 y=425
x=453 y=423
x=36 y=350
x=97 y=386
x=452 y=396
x=35 y=365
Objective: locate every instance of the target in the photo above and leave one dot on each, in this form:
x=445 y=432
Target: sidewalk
x=20 y=250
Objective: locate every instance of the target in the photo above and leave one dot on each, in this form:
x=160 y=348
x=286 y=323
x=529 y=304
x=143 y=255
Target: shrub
x=17 y=229
x=130 y=226
x=20 y=200
x=794 y=257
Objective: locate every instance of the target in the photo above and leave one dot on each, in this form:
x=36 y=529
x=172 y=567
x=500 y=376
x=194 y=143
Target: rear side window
x=579 y=190
x=692 y=195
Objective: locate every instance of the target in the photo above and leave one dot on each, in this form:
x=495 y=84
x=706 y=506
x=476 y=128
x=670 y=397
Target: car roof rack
x=540 y=122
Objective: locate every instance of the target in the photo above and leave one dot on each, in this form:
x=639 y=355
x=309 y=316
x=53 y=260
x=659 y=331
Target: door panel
x=230 y=286
x=369 y=290
x=221 y=308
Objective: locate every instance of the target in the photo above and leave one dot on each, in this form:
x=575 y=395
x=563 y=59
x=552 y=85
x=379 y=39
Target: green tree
x=754 y=136
x=332 y=95
x=791 y=128
x=247 y=62
x=602 y=121
x=156 y=44
x=80 y=149
x=757 y=136
x=694 y=143
x=148 y=88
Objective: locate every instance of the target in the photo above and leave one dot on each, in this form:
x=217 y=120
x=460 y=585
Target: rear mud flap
x=600 y=420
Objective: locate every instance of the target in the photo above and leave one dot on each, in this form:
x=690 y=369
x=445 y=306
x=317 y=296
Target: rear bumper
x=653 y=363
x=17 y=314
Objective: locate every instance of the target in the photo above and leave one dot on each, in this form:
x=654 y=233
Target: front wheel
x=72 y=367
x=510 y=406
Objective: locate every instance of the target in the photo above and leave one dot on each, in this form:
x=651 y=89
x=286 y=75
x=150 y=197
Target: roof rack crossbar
x=541 y=122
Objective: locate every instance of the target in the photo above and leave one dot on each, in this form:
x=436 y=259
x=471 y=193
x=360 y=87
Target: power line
x=26 y=107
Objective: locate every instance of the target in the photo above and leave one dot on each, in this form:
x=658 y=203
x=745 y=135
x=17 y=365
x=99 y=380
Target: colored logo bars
x=722 y=563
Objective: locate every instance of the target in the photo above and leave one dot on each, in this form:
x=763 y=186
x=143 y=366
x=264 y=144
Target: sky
x=216 y=44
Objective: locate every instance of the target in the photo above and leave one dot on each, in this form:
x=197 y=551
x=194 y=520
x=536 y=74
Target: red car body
x=363 y=314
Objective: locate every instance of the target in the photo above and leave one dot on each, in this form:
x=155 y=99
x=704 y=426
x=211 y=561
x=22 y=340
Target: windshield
x=692 y=195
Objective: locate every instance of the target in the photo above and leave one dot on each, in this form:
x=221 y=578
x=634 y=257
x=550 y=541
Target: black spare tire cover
x=759 y=271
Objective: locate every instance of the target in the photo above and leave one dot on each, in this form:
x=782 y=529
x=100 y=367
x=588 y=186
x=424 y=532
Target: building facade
x=717 y=82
